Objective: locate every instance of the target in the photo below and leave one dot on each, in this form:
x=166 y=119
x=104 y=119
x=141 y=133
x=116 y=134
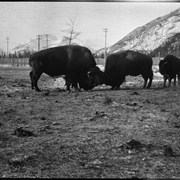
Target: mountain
x=160 y=34
x=60 y=42
x=32 y=45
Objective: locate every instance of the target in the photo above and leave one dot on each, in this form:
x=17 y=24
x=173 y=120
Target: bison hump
x=131 y=55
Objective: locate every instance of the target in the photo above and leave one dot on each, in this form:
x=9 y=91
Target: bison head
x=163 y=67
x=98 y=77
x=87 y=83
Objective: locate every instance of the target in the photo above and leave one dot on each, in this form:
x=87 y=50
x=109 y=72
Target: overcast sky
x=22 y=21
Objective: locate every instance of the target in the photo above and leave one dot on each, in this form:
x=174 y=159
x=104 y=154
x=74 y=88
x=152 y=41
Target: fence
x=22 y=62
x=101 y=61
x=14 y=61
x=25 y=61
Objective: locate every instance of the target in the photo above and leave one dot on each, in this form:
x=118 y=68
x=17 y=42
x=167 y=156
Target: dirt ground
x=126 y=133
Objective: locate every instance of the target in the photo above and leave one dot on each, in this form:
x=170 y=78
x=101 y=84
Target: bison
x=120 y=64
x=169 y=67
x=167 y=77
x=73 y=61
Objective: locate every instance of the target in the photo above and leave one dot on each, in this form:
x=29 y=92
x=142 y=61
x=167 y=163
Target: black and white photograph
x=90 y=89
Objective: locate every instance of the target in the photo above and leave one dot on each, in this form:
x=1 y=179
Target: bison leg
x=35 y=78
x=174 y=80
x=172 y=76
x=150 y=83
x=178 y=79
x=68 y=87
x=165 y=79
x=117 y=83
x=31 y=76
x=170 y=79
x=68 y=84
x=113 y=87
x=145 y=82
x=150 y=80
x=73 y=83
x=77 y=89
x=169 y=85
x=117 y=87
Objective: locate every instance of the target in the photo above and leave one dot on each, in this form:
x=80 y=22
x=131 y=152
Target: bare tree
x=71 y=33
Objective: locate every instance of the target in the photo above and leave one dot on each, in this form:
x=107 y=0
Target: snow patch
x=59 y=82
x=101 y=67
x=150 y=36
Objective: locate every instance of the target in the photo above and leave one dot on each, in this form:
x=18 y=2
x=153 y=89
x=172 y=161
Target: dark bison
x=167 y=77
x=169 y=67
x=73 y=61
x=121 y=64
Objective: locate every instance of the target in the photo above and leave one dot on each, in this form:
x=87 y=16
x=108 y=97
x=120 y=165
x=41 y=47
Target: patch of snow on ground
x=101 y=67
x=59 y=82
x=10 y=65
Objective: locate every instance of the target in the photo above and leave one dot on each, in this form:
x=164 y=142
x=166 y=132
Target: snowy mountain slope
x=32 y=45
x=152 y=35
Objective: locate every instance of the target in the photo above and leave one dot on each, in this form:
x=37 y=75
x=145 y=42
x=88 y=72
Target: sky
x=22 y=21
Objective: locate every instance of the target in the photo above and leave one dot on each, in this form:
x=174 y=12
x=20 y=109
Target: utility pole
x=159 y=56
x=177 y=49
x=7 y=46
x=105 y=51
x=47 y=36
x=39 y=39
x=177 y=46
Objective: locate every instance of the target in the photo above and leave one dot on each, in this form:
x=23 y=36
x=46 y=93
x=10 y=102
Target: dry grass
x=126 y=133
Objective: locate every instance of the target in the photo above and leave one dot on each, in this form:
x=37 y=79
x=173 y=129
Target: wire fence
x=24 y=62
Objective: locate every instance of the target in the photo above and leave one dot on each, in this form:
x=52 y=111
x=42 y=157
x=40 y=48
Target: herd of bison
x=78 y=66
x=103 y=124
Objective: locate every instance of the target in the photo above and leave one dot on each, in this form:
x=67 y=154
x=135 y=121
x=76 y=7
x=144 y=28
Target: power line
x=105 y=51
x=39 y=39
x=7 y=46
x=47 y=36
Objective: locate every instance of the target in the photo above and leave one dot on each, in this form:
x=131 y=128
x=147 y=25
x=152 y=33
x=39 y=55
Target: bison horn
x=88 y=74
